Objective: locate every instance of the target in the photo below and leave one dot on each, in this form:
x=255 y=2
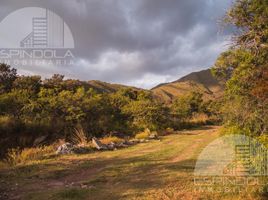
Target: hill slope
x=202 y=81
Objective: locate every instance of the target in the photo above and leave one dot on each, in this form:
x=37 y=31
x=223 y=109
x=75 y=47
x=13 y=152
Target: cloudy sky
x=134 y=42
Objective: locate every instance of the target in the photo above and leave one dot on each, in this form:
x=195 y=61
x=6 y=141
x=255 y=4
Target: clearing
x=155 y=170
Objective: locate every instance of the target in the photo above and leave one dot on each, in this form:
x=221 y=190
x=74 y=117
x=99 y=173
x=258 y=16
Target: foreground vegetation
x=155 y=170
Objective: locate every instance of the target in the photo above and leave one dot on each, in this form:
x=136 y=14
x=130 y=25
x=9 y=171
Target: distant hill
x=104 y=87
x=202 y=81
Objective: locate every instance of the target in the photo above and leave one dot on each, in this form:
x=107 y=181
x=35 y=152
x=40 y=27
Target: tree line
x=31 y=107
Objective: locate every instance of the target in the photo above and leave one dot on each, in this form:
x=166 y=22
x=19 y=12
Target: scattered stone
x=122 y=145
x=131 y=142
x=142 y=140
x=81 y=149
x=98 y=145
x=111 y=146
x=66 y=148
x=134 y=141
x=153 y=136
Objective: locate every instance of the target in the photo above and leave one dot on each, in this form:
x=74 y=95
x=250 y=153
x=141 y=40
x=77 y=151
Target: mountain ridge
x=201 y=81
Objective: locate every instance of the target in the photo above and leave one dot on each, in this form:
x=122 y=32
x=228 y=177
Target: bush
x=264 y=140
x=110 y=139
x=17 y=156
x=79 y=137
x=143 y=135
x=199 y=118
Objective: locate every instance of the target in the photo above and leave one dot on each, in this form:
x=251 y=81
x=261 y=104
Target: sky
x=134 y=42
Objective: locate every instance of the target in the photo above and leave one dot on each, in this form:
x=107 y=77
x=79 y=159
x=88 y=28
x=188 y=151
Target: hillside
x=202 y=81
x=104 y=87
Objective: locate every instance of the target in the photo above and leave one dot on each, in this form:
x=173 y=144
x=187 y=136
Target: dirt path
x=120 y=172
x=191 y=149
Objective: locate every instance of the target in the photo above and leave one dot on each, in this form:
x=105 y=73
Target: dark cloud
x=140 y=42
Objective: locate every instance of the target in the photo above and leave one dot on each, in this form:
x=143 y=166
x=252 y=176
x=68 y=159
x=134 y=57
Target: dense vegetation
x=53 y=108
x=244 y=68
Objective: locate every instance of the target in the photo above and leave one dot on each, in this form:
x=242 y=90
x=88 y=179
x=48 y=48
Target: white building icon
x=47 y=32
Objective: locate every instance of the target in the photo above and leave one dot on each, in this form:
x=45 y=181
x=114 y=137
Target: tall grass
x=110 y=139
x=17 y=156
x=143 y=135
x=79 y=137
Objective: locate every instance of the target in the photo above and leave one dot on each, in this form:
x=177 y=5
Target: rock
x=153 y=136
x=122 y=145
x=142 y=140
x=130 y=143
x=81 y=150
x=98 y=145
x=66 y=148
x=135 y=141
x=111 y=146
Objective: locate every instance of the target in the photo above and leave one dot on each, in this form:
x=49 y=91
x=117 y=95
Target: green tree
x=185 y=106
x=244 y=68
x=31 y=84
x=7 y=76
x=145 y=112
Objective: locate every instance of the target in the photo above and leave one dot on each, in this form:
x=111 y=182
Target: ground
x=154 y=170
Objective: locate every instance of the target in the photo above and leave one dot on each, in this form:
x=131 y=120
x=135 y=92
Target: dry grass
x=110 y=139
x=17 y=156
x=154 y=170
x=199 y=118
x=143 y=135
x=79 y=137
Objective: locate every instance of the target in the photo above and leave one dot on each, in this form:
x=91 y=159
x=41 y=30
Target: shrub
x=110 y=139
x=79 y=137
x=199 y=118
x=143 y=135
x=264 y=140
x=17 y=156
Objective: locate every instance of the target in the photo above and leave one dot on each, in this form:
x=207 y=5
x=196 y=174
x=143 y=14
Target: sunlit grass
x=154 y=170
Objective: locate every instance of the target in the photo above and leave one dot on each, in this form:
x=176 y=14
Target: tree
x=54 y=82
x=145 y=112
x=7 y=76
x=184 y=107
x=31 y=84
x=244 y=68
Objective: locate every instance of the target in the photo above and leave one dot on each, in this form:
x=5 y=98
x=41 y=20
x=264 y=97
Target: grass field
x=155 y=170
